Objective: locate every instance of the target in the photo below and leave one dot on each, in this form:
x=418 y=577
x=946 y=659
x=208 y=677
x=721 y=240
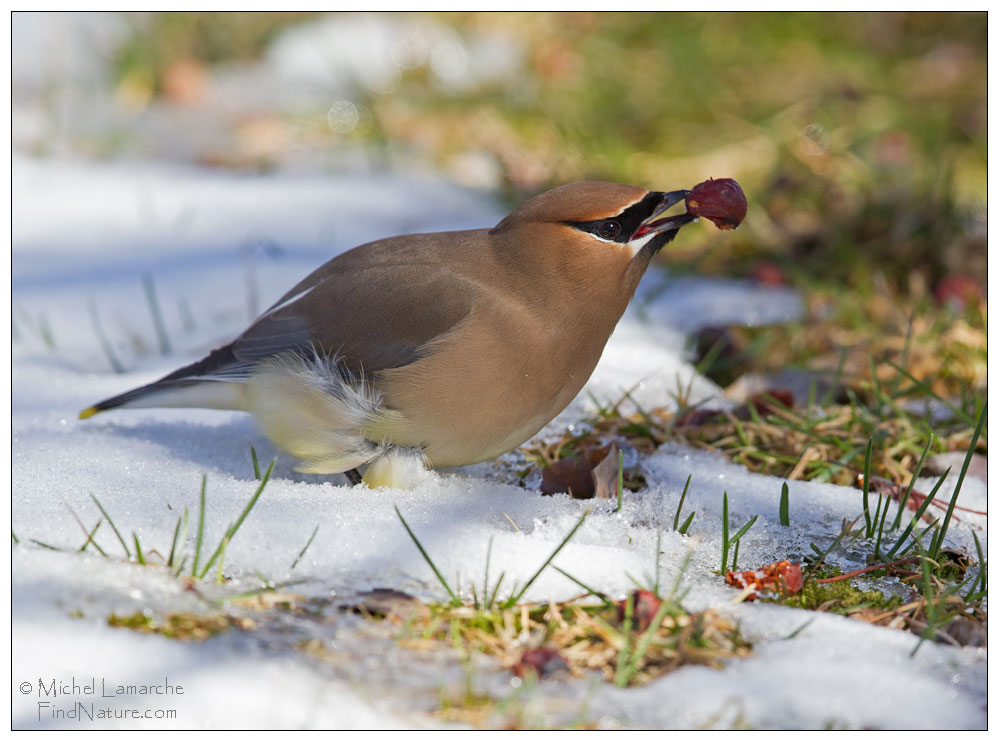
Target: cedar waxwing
x=435 y=349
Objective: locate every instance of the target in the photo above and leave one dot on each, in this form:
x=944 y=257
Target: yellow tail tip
x=89 y=412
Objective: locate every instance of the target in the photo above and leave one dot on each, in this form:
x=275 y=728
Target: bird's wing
x=374 y=308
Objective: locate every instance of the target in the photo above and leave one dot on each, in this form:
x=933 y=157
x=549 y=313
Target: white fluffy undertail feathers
x=309 y=407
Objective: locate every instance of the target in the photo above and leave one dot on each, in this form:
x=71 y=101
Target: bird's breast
x=491 y=383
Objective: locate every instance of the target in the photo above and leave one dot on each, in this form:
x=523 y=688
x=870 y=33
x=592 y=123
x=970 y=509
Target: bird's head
x=603 y=215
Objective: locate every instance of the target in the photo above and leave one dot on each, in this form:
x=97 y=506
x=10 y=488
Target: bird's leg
x=354 y=476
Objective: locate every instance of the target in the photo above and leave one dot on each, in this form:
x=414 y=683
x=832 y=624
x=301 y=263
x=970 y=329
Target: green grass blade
x=981 y=570
x=643 y=644
x=201 y=527
x=659 y=549
x=305 y=548
x=638 y=585
x=495 y=592
x=908 y=490
x=673 y=596
x=231 y=531
x=799 y=629
x=138 y=549
x=827 y=398
x=223 y=546
x=879 y=395
x=906 y=350
x=930 y=602
x=925 y=389
x=180 y=567
x=485 y=580
x=256 y=464
x=154 y=310
x=881 y=527
x=90 y=540
x=39 y=327
x=622 y=656
x=742 y=531
x=179 y=535
x=606 y=601
x=868 y=525
x=173 y=541
x=455 y=600
x=620 y=480
x=88 y=534
x=686 y=524
x=512 y=601
x=711 y=356
x=938 y=541
x=679 y=506
x=111 y=523
x=785 y=518
x=917 y=540
x=725 y=542
x=45 y=545
x=918 y=514
x=102 y=339
x=847 y=527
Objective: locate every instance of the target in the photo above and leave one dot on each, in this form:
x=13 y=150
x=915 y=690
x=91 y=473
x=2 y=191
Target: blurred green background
x=859 y=138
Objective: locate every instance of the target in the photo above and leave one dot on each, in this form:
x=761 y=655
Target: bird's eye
x=609 y=229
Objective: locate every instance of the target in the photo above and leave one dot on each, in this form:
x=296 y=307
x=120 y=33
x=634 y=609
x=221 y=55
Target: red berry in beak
x=722 y=201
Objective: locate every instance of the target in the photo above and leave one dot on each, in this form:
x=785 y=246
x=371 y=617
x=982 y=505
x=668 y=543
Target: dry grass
x=964 y=626
x=786 y=444
x=587 y=637
x=867 y=336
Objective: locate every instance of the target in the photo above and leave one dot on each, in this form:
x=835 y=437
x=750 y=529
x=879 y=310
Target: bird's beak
x=658 y=223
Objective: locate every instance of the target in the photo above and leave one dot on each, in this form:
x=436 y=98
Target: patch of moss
x=469 y=707
x=183 y=626
x=838 y=597
x=953 y=566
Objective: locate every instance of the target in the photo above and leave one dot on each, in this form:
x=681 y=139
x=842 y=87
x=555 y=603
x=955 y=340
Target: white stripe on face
x=633 y=247
x=636 y=245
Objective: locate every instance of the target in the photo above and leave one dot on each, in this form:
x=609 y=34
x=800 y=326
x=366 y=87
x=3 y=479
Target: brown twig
x=857 y=572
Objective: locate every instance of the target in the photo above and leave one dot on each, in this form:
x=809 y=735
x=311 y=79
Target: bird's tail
x=213 y=382
x=307 y=405
x=218 y=395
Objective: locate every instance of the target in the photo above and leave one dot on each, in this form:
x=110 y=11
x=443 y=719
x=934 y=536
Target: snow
x=88 y=233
